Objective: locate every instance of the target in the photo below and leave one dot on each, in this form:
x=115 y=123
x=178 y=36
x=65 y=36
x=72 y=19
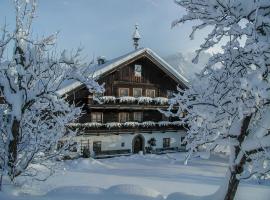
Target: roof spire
x=136 y=37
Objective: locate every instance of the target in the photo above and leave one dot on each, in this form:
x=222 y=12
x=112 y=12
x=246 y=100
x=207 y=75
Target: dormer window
x=138 y=70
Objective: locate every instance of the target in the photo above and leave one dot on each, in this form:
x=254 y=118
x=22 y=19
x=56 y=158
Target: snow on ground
x=136 y=177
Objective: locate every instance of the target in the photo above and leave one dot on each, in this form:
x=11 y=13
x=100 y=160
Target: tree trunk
x=1 y=182
x=233 y=181
x=232 y=187
x=13 y=146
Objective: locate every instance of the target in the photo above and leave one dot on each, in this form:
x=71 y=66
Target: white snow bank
x=136 y=177
x=75 y=190
x=181 y=196
x=86 y=164
x=134 y=190
x=117 y=192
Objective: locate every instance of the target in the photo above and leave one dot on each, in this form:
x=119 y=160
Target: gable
x=151 y=75
x=151 y=56
x=111 y=66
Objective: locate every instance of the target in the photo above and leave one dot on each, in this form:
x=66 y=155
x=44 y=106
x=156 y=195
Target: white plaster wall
x=113 y=142
x=108 y=142
x=175 y=138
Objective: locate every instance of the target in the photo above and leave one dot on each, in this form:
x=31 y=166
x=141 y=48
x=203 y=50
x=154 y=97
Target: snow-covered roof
x=99 y=70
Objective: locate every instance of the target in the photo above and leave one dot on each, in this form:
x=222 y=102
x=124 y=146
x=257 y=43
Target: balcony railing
x=117 y=125
x=131 y=100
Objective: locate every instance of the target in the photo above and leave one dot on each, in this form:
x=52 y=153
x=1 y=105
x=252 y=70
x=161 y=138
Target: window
x=122 y=144
x=137 y=92
x=123 y=117
x=138 y=116
x=138 y=70
x=169 y=93
x=166 y=142
x=97 y=117
x=97 y=146
x=150 y=93
x=123 y=92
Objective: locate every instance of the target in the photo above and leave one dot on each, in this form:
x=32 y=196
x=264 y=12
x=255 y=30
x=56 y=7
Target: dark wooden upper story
x=125 y=85
x=124 y=76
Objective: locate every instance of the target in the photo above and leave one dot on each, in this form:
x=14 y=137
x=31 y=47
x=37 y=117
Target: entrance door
x=138 y=144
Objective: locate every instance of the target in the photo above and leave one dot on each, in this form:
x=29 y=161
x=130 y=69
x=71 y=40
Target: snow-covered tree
x=228 y=102
x=33 y=115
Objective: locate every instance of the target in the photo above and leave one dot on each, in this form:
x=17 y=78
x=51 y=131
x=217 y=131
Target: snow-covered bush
x=148 y=124
x=177 y=123
x=144 y=100
x=85 y=125
x=125 y=124
x=228 y=103
x=130 y=99
x=161 y=100
x=107 y=99
x=113 y=125
x=93 y=125
x=131 y=124
x=127 y=99
x=164 y=123
x=30 y=78
x=74 y=125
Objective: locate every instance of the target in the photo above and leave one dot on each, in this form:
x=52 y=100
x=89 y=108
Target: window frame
x=119 y=117
x=166 y=142
x=119 y=93
x=150 y=90
x=92 y=113
x=137 y=73
x=136 y=89
x=97 y=145
x=141 y=117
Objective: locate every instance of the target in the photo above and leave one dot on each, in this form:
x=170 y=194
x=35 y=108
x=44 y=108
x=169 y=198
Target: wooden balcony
x=123 y=128
x=128 y=103
x=126 y=106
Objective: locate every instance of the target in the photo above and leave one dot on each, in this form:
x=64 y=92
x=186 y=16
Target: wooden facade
x=140 y=76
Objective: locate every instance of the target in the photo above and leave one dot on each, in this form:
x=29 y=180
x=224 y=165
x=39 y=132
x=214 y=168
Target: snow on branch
x=227 y=102
x=35 y=115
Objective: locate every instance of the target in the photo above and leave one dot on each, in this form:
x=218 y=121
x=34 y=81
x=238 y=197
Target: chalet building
x=125 y=119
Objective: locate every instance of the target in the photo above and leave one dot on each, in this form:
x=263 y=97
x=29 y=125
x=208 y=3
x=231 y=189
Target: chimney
x=101 y=60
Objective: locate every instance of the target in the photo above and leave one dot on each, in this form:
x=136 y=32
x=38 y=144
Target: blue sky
x=105 y=27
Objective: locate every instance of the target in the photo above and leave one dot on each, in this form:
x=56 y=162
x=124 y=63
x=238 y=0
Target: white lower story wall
x=125 y=141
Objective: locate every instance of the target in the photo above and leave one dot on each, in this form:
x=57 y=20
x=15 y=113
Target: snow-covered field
x=137 y=177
